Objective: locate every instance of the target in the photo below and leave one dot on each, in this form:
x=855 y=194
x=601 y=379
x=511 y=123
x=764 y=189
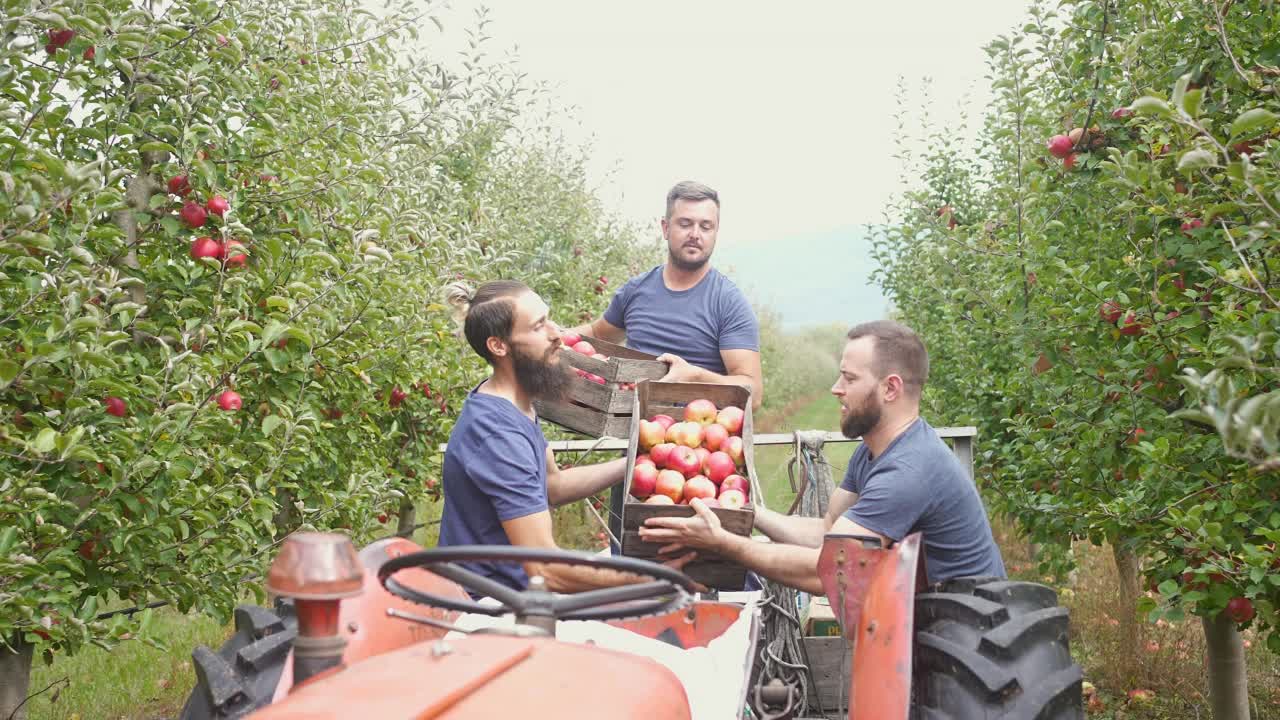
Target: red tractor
x=392 y=633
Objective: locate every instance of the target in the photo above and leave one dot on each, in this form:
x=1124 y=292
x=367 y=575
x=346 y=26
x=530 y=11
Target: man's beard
x=688 y=265
x=860 y=420
x=541 y=378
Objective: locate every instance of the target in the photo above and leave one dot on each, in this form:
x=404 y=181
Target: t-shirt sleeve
x=508 y=473
x=616 y=313
x=892 y=500
x=739 y=329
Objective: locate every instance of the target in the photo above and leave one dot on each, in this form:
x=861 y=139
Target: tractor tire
x=242 y=675
x=988 y=648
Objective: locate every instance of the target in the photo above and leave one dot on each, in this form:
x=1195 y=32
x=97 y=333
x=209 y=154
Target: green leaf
x=45 y=440
x=8 y=371
x=1148 y=105
x=8 y=536
x=1249 y=122
x=1191 y=102
x=1195 y=159
x=157 y=146
x=270 y=423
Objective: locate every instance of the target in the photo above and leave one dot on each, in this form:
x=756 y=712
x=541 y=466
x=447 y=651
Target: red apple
x=116 y=406
x=643 y=481
x=736 y=450
x=730 y=417
x=732 y=499
x=1192 y=224
x=701 y=411
x=688 y=434
x=659 y=500
x=702 y=454
x=1240 y=609
x=217 y=205
x=193 y=215
x=719 y=466
x=644 y=459
x=179 y=185
x=569 y=338
x=596 y=379
x=205 y=247
x=651 y=434
x=698 y=486
x=666 y=421
x=661 y=454
x=1121 y=113
x=1069 y=162
x=235 y=258
x=1110 y=311
x=230 y=400
x=600 y=356
x=584 y=347
x=1141 y=696
x=735 y=482
x=397 y=397
x=684 y=461
x=90 y=52
x=714 y=435
x=670 y=484
x=58 y=39
x=1060 y=146
x=1131 y=325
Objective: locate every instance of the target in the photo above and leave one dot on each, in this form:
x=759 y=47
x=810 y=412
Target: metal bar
x=955 y=433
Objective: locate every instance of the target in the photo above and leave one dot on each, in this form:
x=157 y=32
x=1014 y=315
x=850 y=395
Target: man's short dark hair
x=487 y=312
x=898 y=351
x=691 y=191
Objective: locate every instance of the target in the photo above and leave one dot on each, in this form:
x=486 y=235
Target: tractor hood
x=488 y=676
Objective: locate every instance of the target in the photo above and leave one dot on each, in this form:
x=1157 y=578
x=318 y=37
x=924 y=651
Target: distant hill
x=810 y=279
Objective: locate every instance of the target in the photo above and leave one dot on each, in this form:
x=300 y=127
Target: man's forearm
x=791 y=565
x=790 y=529
x=578 y=578
x=576 y=483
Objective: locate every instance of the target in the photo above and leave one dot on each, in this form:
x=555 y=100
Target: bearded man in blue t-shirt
x=902 y=479
x=685 y=311
x=500 y=477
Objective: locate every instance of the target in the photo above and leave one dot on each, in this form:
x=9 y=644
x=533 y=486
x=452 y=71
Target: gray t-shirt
x=917 y=484
x=695 y=324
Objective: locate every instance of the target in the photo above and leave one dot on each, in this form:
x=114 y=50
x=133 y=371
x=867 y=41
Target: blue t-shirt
x=695 y=324
x=917 y=484
x=495 y=469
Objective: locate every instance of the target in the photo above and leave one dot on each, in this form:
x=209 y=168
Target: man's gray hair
x=691 y=191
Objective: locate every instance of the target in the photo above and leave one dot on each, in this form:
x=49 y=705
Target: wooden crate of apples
x=691 y=440
x=599 y=402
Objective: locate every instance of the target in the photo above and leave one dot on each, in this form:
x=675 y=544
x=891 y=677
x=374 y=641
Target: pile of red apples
x=701 y=457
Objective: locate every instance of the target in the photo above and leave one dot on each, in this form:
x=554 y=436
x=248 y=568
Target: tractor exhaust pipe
x=316 y=570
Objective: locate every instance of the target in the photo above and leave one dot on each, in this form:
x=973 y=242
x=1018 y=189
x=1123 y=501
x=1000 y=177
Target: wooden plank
x=831 y=661
x=736 y=521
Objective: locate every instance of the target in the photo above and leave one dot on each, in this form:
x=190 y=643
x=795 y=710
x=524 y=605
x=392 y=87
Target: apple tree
x=224 y=231
x=1096 y=285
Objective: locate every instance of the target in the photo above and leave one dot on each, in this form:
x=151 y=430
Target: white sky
x=786 y=108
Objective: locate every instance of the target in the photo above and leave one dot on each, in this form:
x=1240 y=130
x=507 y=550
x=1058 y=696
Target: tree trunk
x=15 y=679
x=408 y=518
x=1130 y=588
x=1228 y=683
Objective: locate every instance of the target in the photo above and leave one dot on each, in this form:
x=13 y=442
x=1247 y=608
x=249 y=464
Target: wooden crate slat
x=608 y=407
x=827 y=656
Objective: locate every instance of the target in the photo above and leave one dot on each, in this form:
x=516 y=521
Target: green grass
x=819 y=413
x=135 y=681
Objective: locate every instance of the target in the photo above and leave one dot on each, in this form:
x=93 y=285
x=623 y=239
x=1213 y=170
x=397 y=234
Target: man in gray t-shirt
x=685 y=311
x=901 y=480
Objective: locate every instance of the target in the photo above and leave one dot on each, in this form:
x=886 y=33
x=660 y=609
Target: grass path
x=819 y=413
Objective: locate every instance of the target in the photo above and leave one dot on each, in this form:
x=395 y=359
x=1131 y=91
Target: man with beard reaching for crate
x=500 y=477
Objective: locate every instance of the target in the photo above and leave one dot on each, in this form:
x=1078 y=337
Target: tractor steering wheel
x=669 y=589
